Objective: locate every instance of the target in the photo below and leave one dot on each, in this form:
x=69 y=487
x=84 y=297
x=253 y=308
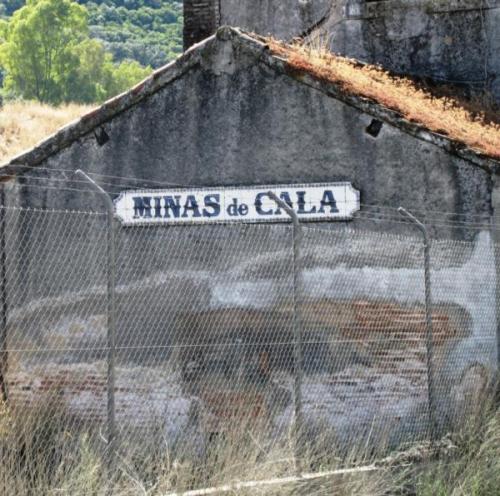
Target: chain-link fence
x=224 y=333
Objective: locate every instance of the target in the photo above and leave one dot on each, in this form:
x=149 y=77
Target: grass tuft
x=44 y=451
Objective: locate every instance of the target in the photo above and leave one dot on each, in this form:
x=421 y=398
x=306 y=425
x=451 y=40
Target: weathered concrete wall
x=231 y=119
x=210 y=335
x=283 y=19
x=449 y=41
x=452 y=41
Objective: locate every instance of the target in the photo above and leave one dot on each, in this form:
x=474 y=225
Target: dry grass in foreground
x=24 y=124
x=477 y=128
x=44 y=452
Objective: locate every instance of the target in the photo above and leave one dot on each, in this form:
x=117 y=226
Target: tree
x=39 y=49
x=88 y=82
x=125 y=75
x=48 y=56
x=97 y=77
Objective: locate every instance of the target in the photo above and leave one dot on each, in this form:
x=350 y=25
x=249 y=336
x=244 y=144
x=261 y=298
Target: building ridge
x=190 y=59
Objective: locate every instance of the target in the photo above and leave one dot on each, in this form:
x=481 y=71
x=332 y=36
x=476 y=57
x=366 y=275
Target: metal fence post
x=4 y=357
x=297 y=324
x=111 y=334
x=428 y=323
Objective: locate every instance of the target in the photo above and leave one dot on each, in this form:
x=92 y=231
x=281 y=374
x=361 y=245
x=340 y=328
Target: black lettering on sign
x=142 y=207
x=191 y=204
x=212 y=202
x=328 y=200
x=258 y=205
x=172 y=205
x=301 y=202
x=285 y=196
x=157 y=200
x=232 y=210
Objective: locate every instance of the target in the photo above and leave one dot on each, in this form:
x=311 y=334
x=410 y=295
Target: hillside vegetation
x=47 y=54
x=148 y=31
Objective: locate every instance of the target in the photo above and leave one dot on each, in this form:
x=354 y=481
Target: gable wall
x=233 y=121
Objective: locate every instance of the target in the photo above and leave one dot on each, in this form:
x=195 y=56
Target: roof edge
x=98 y=116
x=258 y=46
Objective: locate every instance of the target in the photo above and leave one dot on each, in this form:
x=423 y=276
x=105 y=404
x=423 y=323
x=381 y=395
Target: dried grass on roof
x=478 y=129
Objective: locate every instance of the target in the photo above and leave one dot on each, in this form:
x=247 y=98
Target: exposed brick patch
x=363 y=360
x=201 y=20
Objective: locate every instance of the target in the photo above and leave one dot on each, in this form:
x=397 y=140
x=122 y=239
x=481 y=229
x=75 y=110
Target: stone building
x=230 y=113
x=449 y=41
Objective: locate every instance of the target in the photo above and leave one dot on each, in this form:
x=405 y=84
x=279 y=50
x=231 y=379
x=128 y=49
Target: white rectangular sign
x=313 y=202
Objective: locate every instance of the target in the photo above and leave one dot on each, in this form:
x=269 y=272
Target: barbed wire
x=416 y=209
x=358 y=215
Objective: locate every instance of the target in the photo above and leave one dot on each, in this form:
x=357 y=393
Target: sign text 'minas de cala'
x=313 y=202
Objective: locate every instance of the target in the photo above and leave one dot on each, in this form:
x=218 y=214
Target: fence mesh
x=206 y=340
x=364 y=305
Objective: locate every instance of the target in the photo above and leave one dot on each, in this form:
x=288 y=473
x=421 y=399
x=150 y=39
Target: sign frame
x=349 y=202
